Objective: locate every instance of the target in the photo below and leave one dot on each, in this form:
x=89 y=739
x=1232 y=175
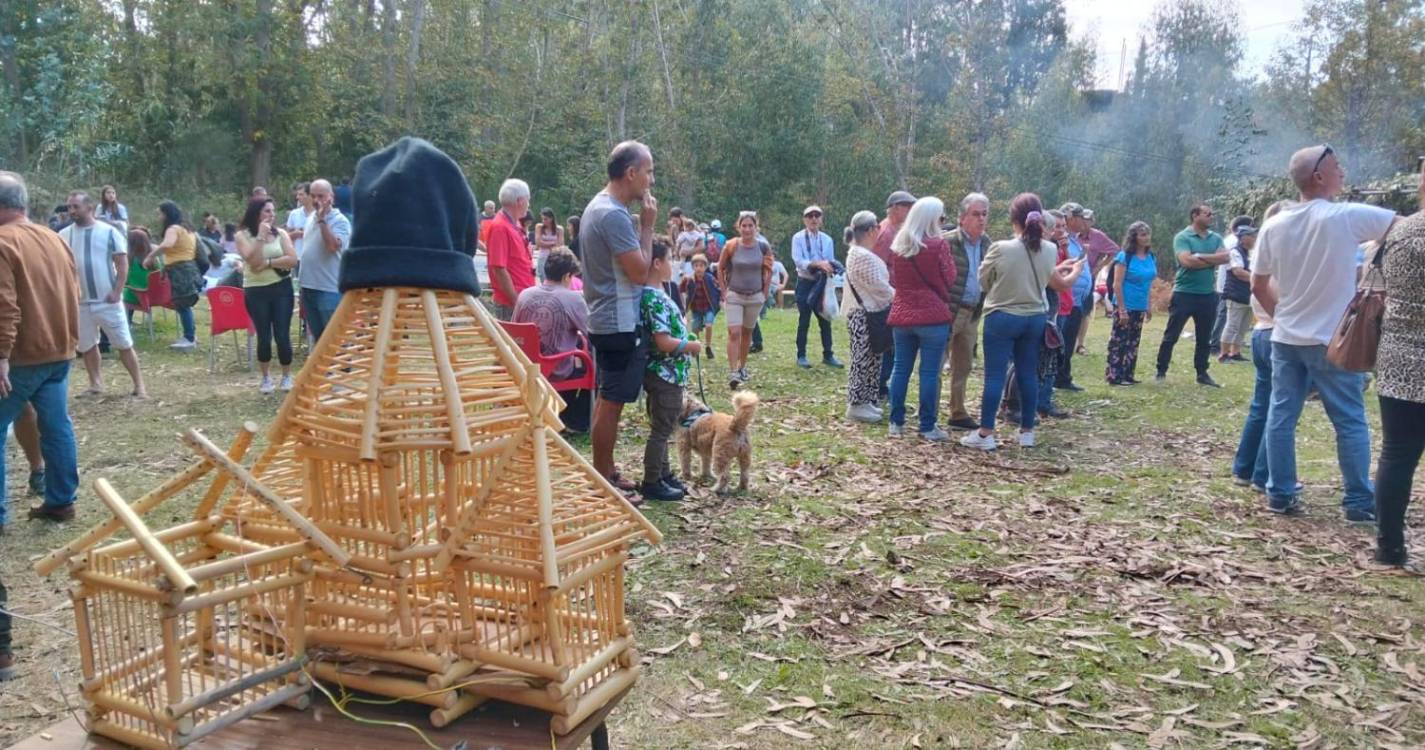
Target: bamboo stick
x=594 y=700
x=254 y=588
x=345 y=638
x=336 y=327
x=592 y=666
x=83 y=635
x=115 y=731
x=436 y=664
x=524 y=696
x=155 y=550
x=236 y=451
x=388 y=481
x=384 y=322
x=114 y=673
x=391 y=687
x=125 y=705
x=458 y=670
x=265 y=703
x=295 y=629
x=340 y=530
x=221 y=692
x=305 y=527
x=511 y=357
x=442 y=717
x=653 y=534
x=455 y=407
x=518 y=663
x=418 y=552
x=578 y=578
x=546 y=508
x=468 y=515
x=128 y=547
x=146 y=502
x=172 y=657
x=351 y=611
x=247 y=561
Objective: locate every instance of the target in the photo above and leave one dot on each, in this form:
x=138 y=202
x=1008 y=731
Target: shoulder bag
x=1053 y=340
x=1354 y=345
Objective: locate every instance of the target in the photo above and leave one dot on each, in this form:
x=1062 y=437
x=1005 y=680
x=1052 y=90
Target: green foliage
x=747 y=104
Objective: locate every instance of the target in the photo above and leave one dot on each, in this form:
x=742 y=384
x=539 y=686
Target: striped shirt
x=93 y=248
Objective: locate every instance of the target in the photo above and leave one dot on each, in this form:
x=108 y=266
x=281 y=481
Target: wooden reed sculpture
x=455 y=547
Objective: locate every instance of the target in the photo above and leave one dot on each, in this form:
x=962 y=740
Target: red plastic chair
x=526 y=335
x=229 y=313
x=158 y=295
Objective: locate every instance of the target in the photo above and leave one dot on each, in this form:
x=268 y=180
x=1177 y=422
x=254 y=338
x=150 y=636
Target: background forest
x=746 y=103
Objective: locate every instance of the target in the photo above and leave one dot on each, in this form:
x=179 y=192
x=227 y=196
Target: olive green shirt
x=1013 y=278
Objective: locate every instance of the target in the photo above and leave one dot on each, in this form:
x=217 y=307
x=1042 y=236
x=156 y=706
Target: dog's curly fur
x=718 y=439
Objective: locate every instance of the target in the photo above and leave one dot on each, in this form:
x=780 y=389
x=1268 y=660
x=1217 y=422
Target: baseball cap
x=1088 y=214
x=1072 y=209
x=899 y=197
x=812 y=209
x=716 y=224
x=1245 y=230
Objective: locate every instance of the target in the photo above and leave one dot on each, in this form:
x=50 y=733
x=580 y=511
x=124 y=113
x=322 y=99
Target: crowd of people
x=920 y=287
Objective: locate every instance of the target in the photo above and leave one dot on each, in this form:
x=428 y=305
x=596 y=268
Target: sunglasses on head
x=1326 y=151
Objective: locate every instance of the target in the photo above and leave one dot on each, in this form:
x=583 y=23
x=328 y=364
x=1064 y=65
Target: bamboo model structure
x=449 y=542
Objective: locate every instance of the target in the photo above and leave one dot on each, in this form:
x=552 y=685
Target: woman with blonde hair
x=921 y=272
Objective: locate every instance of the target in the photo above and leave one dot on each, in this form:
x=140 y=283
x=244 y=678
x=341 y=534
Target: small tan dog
x=718 y=438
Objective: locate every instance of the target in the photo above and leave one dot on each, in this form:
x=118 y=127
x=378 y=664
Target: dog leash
x=702 y=395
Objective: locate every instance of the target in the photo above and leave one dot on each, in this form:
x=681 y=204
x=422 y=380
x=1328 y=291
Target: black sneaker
x=710 y=353
x=673 y=481
x=1361 y=516
x=1070 y=386
x=37 y=482
x=755 y=348
x=803 y=363
x=1054 y=412
x=1292 y=507
x=1396 y=557
x=830 y=360
x=1160 y=377
x=1205 y=379
x=964 y=423
x=660 y=491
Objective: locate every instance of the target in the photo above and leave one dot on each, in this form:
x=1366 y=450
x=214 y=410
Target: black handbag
x=878 y=329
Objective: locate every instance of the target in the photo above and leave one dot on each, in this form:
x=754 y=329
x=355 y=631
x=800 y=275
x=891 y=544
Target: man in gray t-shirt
x=616 y=260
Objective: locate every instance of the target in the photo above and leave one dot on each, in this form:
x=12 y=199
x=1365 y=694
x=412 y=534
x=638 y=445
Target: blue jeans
x=888 y=364
x=1007 y=337
x=47 y=388
x=185 y=319
x=319 y=306
x=1251 y=460
x=930 y=342
x=1294 y=370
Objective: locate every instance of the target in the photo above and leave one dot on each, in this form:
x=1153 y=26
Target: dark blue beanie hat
x=416 y=222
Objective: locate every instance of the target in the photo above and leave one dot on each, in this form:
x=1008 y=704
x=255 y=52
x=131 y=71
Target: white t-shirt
x=297 y=219
x=1309 y=249
x=94 y=248
x=1229 y=243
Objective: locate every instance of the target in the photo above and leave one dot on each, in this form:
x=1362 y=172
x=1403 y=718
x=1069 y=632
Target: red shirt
x=922 y=286
x=1066 y=297
x=882 y=249
x=507 y=249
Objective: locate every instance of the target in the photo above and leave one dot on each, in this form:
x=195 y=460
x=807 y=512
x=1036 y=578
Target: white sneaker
x=286 y=383
x=895 y=430
x=183 y=344
x=973 y=439
x=863 y=413
x=1026 y=440
x=936 y=435
x=266 y=386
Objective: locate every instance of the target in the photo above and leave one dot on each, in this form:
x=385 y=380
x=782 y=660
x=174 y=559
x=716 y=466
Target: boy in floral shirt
x=666 y=377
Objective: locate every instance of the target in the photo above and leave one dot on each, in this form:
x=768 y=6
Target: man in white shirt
x=298 y=217
x=326 y=237
x=813 y=252
x=101 y=260
x=1309 y=251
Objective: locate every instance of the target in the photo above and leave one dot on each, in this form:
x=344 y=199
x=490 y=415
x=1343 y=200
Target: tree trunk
x=413 y=58
x=388 y=47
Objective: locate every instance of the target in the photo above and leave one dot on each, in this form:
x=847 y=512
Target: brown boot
x=56 y=513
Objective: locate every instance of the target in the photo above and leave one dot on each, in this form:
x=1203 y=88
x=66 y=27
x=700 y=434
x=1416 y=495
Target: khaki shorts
x=742 y=309
x=109 y=316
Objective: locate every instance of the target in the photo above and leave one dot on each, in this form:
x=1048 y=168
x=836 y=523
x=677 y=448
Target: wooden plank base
x=493 y=725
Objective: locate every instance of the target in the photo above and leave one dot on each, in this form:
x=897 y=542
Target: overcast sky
x=1264 y=22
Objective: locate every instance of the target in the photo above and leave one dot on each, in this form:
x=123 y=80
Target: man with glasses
x=1304 y=275
x=1198 y=251
x=813 y=253
x=968 y=245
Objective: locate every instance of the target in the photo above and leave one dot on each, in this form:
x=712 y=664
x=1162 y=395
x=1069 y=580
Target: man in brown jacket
x=39 y=330
x=968 y=245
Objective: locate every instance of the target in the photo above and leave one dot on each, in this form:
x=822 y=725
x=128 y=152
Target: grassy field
x=1110 y=588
